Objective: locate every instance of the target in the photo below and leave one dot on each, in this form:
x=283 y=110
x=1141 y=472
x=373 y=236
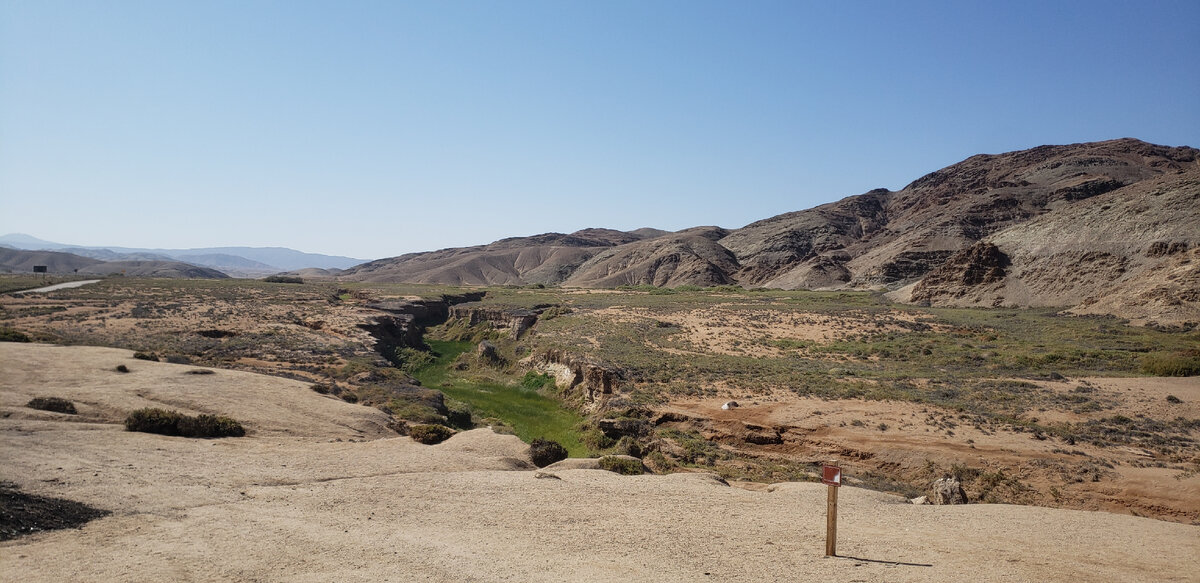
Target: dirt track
x=316 y=492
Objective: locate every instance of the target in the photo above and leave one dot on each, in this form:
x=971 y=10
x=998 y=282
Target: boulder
x=947 y=490
x=730 y=405
x=486 y=351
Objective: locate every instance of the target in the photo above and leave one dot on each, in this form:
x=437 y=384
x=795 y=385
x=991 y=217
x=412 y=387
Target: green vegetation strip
x=528 y=412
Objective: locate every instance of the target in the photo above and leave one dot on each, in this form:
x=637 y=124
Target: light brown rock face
x=1134 y=251
x=692 y=258
x=890 y=238
x=947 y=491
x=582 y=379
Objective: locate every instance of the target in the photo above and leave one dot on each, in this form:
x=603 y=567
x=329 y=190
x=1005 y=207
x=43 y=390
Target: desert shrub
x=282 y=279
x=595 y=439
x=459 y=417
x=164 y=422
x=153 y=420
x=210 y=426
x=1171 y=365
x=544 y=452
x=429 y=434
x=321 y=388
x=146 y=356
x=411 y=360
x=1174 y=400
x=536 y=381
x=349 y=397
x=177 y=359
x=11 y=335
x=122 y=368
x=410 y=409
x=55 y=404
x=628 y=446
x=621 y=465
x=201 y=371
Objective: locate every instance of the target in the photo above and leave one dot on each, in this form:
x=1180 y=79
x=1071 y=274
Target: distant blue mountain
x=239 y=261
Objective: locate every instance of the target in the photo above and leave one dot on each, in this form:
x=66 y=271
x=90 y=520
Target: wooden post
x=831 y=475
x=831 y=523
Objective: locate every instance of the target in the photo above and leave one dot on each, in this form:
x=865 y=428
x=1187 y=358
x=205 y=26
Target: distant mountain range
x=233 y=261
x=1102 y=228
x=1106 y=227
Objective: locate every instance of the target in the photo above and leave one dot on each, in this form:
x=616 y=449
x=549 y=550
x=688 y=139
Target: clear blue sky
x=372 y=129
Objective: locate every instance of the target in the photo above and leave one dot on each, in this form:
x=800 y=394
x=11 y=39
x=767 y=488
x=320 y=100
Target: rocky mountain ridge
x=894 y=239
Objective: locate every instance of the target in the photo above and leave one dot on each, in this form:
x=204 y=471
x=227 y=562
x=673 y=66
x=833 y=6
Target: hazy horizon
x=374 y=129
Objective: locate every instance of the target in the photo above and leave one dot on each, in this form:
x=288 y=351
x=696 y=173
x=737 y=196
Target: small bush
x=201 y=371
x=322 y=388
x=459 y=417
x=282 y=279
x=411 y=360
x=164 y=422
x=429 y=434
x=11 y=335
x=153 y=420
x=629 y=446
x=55 y=404
x=621 y=465
x=535 y=381
x=146 y=356
x=210 y=426
x=122 y=368
x=178 y=359
x=544 y=452
x=1174 y=400
x=1172 y=365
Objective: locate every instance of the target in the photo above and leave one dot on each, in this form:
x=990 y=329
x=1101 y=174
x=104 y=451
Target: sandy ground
x=58 y=286
x=1131 y=480
x=318 y=492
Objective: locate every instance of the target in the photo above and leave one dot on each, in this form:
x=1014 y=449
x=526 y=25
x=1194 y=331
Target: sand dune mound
x=316 y=492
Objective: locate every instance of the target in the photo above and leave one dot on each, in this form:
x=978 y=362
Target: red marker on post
x=831 y=475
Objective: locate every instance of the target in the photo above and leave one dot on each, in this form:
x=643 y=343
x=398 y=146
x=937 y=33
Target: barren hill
x=547 y=259
x=889 y=238
x=1134 y=251
x=691 y=257
x=1088 y=194
x=19 y=261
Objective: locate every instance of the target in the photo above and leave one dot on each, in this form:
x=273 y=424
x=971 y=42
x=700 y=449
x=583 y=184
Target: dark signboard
x=39 y=269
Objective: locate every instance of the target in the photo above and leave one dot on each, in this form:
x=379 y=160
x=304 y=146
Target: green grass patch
x=530 y=414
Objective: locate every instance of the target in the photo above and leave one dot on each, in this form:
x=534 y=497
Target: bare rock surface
x=947 y=491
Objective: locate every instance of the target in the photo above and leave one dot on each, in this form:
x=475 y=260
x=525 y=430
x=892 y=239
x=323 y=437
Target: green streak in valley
x=528 y=412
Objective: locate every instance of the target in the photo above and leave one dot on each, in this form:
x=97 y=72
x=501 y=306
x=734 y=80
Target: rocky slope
x=1134 y=251
x=892 y=238
x=1083 y=193
x=547 y=259
x=691 y=257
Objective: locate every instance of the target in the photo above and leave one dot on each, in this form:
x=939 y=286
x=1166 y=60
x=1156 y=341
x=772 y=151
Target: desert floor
x=320 y=490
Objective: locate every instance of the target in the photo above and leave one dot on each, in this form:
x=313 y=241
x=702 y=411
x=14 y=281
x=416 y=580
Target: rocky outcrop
x=402 y=323
x=515 y=320
x=947 y=490
x=1132 y=252
x=980 y=264
x=587 y=381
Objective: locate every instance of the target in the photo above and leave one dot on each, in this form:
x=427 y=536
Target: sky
x=372 y=129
